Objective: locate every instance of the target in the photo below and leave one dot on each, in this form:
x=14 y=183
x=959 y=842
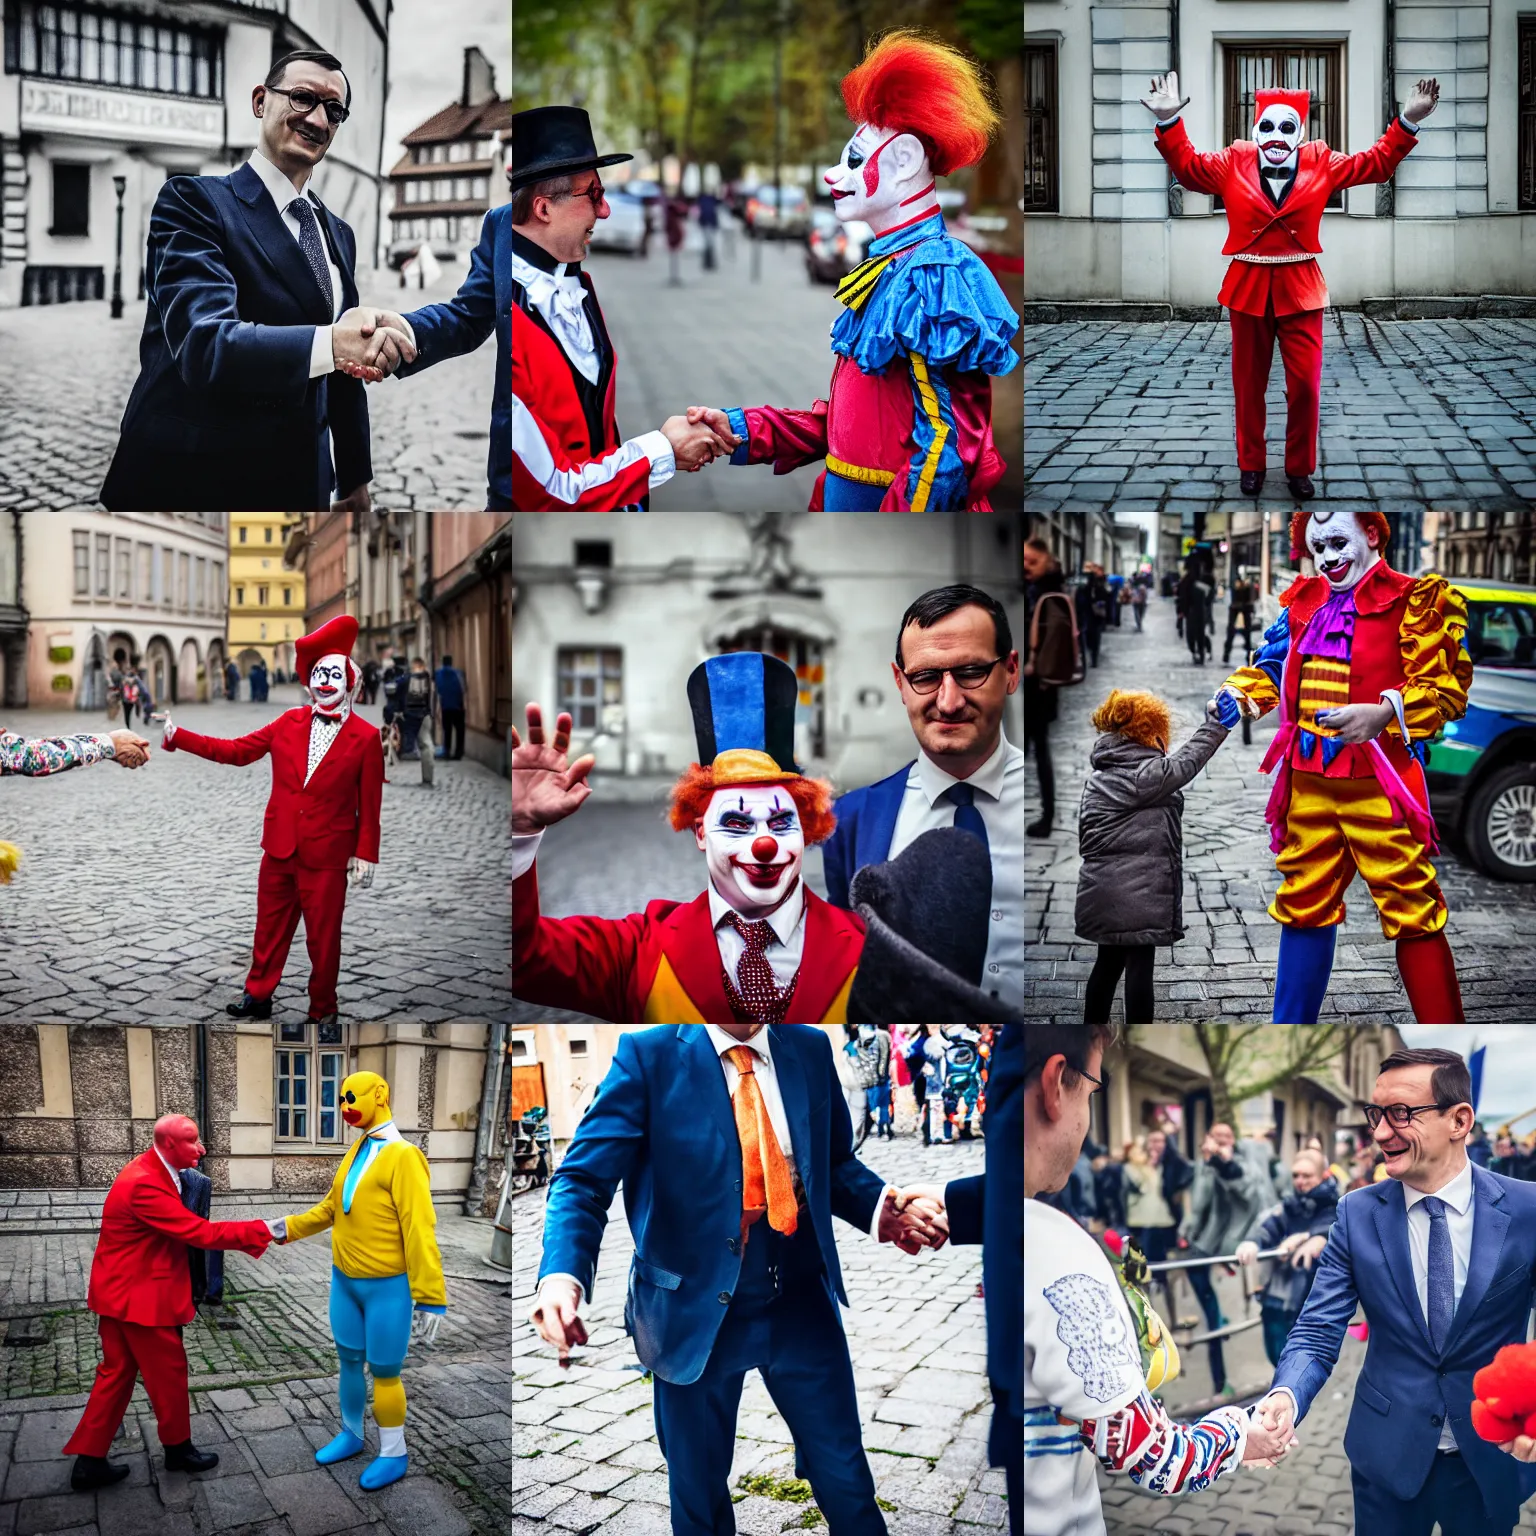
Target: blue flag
x=1475 y=1065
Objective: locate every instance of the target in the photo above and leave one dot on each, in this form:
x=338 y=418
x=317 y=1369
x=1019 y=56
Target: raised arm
x=1158 y=777
x=1200 y=172
x=1383 y=157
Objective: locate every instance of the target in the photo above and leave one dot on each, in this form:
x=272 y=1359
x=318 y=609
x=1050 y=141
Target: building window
x=167 y=565
x=578 y=1047
x=1527 y=76
x=103 y=565
x=1040 y=129
x=292 y=1095
x=239 y=597
x=86 y=42
x=216 y=592
x=71 y=199
x=82 y=565
x=261 y=596
x=588 y=681
x=183 y=581
x=287 y=597
x=124 y=571
x=307 y=1082
x=200 y=587
x=1319 y=68
x=242 y=533
x=146 y=573
x=269 y=534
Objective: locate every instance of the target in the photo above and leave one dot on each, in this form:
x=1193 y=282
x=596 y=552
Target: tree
x=1244 y=1063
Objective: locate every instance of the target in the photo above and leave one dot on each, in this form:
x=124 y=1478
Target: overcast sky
x=1509 y=1067
x=427 y=39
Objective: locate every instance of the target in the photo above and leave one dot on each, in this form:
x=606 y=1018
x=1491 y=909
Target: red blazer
x=140 y=1273
x=333 y=817
x=1256 y=226
x=648 y=968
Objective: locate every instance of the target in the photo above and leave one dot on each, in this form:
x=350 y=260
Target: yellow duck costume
x=386 y=1272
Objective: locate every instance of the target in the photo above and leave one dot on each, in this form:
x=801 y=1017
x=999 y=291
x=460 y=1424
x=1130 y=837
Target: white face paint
x=883 y=178
x=328 y=684
x=754 y=845
x=1339 y=548
x=1278 y=133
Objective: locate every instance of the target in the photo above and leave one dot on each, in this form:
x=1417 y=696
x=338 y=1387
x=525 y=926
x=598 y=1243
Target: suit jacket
x=206 y=1266
x=662 y=1124
x=1405 y=1386
x=224 y=412
x=140 y=1273
x=482 y=304
x=663 y=965
x=866 y=823
x=333 y=817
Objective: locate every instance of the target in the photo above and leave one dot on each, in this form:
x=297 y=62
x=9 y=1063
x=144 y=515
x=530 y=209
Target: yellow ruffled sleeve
x=1257 y=684
x=1436 y=668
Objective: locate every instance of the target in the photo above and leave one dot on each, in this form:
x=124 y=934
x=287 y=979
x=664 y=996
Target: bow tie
x=320 y=714
x=1277 y=172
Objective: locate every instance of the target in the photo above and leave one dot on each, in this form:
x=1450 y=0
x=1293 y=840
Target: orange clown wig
x=912 y=84
x=1371 y=522
x=812 y=797
x=1138 y=716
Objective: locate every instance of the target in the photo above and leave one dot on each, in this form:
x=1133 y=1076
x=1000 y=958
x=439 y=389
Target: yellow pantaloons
x=1335 y=827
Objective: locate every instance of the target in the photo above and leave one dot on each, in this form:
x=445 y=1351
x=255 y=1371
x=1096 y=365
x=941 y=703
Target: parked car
x=792 y=216
x=1482 y=768
x=624 y=228
x=833 y=249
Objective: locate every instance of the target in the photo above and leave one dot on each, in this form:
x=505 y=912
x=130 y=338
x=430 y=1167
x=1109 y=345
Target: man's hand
x=546 y=788
x=1522 y=1448
x=424 y=1326
x=1265 y=1447
x=1277 y=1413
x=365 y=344
x=129 y=750
x=1247 y=1253
x=694 y=446
x=716 y=420
x=356 y=500
x=1422 y=100
x=1165 y=103
x=1357 y=723
x=1308 y=1251
x=360 y=873
x=554 y=1315
x=922 y=1225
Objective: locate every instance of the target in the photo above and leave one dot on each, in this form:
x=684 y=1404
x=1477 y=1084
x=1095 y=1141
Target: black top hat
x=553 y=141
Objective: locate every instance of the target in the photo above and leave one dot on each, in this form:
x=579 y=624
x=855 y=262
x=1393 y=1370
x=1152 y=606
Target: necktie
x=967 y=817
x=355 y=1172
x=313 y=247
x=754 y=976
x=765 y=1181
x=1442 y=1273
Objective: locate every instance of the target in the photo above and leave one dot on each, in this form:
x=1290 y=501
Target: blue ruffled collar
x=910 y=234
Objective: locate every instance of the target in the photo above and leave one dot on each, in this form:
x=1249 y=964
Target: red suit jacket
x=140 y=1273
x=663 y=966
x=333 y=817
x=1255 y=226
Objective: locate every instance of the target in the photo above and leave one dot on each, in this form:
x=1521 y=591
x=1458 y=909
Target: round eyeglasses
x=303 y=102
x=594 y=194
x=930 y=679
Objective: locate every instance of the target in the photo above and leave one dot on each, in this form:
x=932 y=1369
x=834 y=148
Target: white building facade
x=1103 y=224
x=151 y=584
x=134 y=91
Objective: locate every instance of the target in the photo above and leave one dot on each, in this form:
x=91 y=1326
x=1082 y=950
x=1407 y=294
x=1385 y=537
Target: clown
x=322 y=823
x=1365 y=665
x=386 y=1272
x=1274 y=189
x=906 y=426
x=758 y=945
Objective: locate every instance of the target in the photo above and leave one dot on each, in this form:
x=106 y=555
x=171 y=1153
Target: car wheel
x=1501 y=823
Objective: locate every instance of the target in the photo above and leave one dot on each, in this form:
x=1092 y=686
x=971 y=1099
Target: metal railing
x=1168 y=1266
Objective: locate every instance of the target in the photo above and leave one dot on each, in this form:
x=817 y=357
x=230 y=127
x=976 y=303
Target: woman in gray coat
x=1130 y=836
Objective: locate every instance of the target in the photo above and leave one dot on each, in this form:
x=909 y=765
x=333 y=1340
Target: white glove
x=424 y=1326
x=360 y=872
x=278 y=1227
x=170 y=727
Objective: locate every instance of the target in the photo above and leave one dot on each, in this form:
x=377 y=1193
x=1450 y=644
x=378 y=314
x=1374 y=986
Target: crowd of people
x=945 y=1067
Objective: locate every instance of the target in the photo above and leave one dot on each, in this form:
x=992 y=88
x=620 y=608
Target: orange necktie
x=765 y=1180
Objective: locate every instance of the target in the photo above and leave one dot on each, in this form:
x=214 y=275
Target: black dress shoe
x=250 y=1007
x=95 y=1472
x=1252 y=482
x=1041 y=828
x=1301 y=487
x=187 y=1458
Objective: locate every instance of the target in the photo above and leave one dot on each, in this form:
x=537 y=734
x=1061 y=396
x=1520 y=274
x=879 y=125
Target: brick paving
x=1224 y=968
x=584 y=1448
x=138 y=888
x=1416 y=415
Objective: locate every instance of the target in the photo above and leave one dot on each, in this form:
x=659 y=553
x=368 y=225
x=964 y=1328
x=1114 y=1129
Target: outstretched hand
x=1422 y=100
x=546 y=787
x=696 y=443
x=1165 y=103
x=129 y=750
x=913 y=1222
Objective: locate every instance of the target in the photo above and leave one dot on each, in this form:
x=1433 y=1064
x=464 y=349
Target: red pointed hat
x=1301 y=101
x=337 y=637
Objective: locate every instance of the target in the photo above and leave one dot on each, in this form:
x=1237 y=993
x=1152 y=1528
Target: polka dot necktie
x=760 y=999
x=314 y=250
x=766 y=1184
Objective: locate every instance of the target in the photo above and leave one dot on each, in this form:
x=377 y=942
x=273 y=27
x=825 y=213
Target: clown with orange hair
x=906 y=425
x=758 y=945
x=1365 y=665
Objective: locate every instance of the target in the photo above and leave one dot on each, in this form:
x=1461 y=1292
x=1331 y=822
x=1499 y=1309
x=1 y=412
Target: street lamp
x=121 y=183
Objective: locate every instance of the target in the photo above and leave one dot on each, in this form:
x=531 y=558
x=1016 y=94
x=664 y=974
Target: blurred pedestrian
x=1091 y=601
x=1154 y=1181
x=1051 y=662
x=1139 y=597
x=231 y=681
x=1116 y=587
x=922 y=1053
x=1479 y=1148
x=370 y=680
x=392 y=681
x=1240 y=605
x=1195 y=607
x=131 y=693
x=709 y=222
x=416 y=700
x=450 y=699
x=962 y=1077
x=677 y=225
x=260 y=681
x=875 y=1046
x=1109 y=1191
x=115 y=683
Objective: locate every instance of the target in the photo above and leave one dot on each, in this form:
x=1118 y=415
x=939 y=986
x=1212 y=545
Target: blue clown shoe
x=344 y=1445
x=382 y=1471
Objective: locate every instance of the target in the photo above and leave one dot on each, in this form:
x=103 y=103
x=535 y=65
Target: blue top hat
x=744 y=717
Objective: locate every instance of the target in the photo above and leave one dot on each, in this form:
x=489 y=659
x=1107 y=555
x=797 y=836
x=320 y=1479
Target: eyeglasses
x=1098 y=1083
x=930 y=679
x=593 y=194
x=304 y=102
x=1398 y=1114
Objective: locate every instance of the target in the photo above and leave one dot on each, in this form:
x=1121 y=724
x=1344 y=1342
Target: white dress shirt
x=284 y=194
x=175 y=1176
x=999 y=786
x=323 y=732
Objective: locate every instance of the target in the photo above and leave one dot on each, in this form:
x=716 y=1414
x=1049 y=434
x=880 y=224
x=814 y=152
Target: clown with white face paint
x=757 y=945
x=321 y=830
x=1365 y=665
x=1274 y=188
x=906 y=426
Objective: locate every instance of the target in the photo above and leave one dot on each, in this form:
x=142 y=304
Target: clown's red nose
x=764 y=850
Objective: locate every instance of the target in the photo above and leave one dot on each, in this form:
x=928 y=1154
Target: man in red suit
x=1274 y=188
x=141 y=1293
x=322 y=822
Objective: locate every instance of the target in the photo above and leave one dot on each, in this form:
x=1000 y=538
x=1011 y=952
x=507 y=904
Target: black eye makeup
x=855 y=157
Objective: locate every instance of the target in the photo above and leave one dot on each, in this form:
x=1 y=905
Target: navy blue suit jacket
x=224 y=412
x=662 y=1124
x=1405 y=1384
x=866 y=822
x=483 y=303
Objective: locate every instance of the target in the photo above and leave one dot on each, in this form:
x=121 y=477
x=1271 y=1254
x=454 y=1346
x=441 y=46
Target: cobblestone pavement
x=1415 y=415
x=59 y=421
x=137 y=889
x=263 y=1384
x=1225 y=966
x=584 y=1442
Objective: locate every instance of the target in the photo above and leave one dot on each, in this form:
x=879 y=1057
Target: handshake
x=129 y=750
x=1271 y=1430
x=914 y=1218
x=369 y=344
x=700 y=437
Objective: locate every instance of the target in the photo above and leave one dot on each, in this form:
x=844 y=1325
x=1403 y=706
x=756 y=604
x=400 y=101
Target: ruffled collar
x=907 y=234
x=1331 y=631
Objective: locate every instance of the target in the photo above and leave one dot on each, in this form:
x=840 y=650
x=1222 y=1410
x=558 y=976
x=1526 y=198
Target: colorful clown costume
x=386 y=1272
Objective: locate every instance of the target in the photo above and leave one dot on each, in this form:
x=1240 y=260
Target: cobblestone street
x=584 y=1447
x=263 y=1383
x=137 y=889
x=1225 y=966
x=60 y=414
x=1415 y=414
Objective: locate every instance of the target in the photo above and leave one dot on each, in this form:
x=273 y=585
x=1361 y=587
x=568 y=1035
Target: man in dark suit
x=252 y=312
